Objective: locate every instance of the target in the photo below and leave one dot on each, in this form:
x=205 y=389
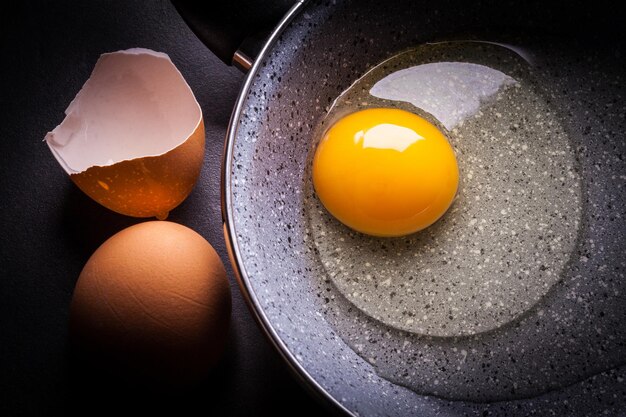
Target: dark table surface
x=50 y=228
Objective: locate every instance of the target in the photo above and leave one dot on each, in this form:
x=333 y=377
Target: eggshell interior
x=133 y=138
x=135 y=104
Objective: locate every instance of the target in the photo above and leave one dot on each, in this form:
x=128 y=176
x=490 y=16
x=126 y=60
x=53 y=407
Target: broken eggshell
x=133 y=137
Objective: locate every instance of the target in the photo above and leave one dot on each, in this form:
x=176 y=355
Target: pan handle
x=234 y=30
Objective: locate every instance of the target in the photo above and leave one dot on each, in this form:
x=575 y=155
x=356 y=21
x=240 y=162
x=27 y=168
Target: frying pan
x=317 y=50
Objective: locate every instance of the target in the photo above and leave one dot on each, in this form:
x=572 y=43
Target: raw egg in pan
x=496 y=251
x=514 y=222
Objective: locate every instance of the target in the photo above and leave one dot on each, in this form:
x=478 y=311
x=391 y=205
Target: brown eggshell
x=149 y=186
x=155 y=300
x=133 y=137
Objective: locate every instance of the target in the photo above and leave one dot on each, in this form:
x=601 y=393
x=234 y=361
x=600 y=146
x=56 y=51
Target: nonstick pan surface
x=575 y=335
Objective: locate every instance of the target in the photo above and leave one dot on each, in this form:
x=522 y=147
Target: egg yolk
x=385 y=172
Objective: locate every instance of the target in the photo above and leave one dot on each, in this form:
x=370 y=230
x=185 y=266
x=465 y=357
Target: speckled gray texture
x=577 y=331
x=512 y=226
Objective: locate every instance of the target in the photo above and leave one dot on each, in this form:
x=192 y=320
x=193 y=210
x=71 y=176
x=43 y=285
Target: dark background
x=49 y=228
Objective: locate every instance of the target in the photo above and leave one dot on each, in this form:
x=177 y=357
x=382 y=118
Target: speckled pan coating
x=319 y=55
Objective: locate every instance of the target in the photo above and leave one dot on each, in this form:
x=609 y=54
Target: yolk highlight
x=385 y=172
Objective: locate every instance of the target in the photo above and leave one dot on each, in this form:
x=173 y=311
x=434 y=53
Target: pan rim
x=232 y=246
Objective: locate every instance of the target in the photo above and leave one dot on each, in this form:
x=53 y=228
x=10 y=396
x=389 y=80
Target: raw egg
x=488 y=259
x=385 y=172
x=155 y=301
x=500 y=267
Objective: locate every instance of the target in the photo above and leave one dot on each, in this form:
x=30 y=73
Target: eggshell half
x=133 y=138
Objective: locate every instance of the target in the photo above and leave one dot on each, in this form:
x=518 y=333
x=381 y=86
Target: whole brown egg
x=153 y=299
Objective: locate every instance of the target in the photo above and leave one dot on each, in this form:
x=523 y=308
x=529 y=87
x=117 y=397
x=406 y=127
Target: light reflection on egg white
x=450 y=91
